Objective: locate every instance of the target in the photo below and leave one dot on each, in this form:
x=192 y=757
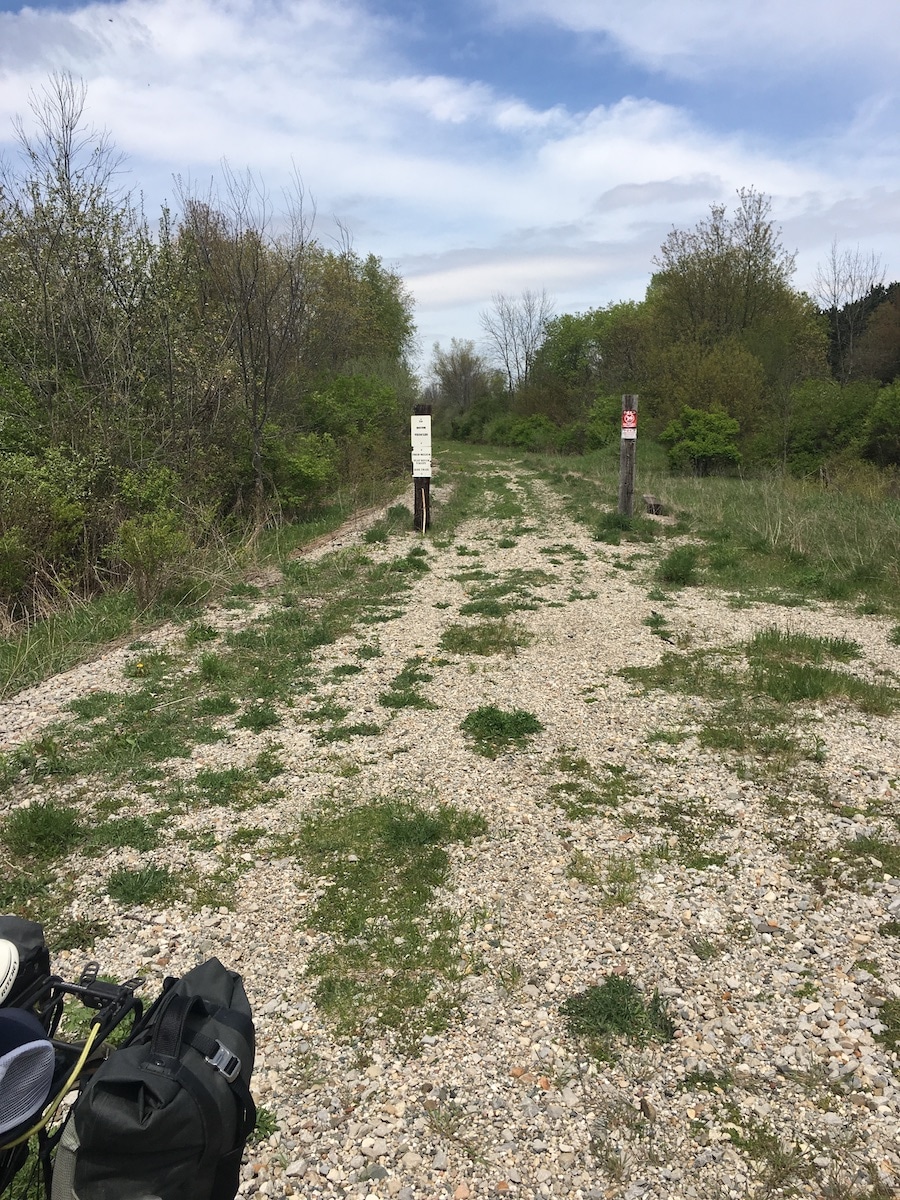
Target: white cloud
x=704 y=37
x=469 y=188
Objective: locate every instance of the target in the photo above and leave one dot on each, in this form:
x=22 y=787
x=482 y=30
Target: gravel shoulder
x=775 y=974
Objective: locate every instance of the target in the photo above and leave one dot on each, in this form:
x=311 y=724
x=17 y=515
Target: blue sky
x=484 y=146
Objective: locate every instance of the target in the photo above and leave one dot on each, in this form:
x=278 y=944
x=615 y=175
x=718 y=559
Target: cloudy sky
x=484 y=146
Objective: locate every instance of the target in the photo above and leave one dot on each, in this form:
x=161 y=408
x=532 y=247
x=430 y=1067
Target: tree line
x=734 y=366
x=219 y=369
x=163 y=382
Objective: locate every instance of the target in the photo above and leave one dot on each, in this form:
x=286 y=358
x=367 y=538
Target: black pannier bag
x=167 y=1115
x=26 y=959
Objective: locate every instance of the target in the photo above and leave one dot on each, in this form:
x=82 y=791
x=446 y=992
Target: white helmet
x=9 y=967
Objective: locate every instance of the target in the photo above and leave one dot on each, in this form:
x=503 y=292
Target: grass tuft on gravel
x=494 y=731
x=485 y=638
x=616 y=1009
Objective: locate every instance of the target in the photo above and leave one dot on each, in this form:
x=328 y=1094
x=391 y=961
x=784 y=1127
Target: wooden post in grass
x=627 y=455
x=421 y=467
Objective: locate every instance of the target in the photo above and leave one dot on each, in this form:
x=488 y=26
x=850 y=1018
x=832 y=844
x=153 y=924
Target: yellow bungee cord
x=50 y=1111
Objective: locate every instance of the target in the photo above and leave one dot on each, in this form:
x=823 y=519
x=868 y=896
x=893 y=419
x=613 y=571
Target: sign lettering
x=421 y=447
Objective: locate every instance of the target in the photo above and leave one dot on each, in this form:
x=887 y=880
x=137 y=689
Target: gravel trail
x=695 y=873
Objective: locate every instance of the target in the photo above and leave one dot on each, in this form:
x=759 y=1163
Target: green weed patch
x=398 y=519
x=757 y=688
x=485 y=638
x=679 y=567
x=42 y=832
x=148 y=885
x=588 y=791
x=797 y=683
x=560 y=550
x=138 y=833
x=614 y=528
x=394 y=962
x=599 y=1015
x=486 y=608
x=494 y=731
x=231 y=787
x=783 y=646
x=519 y=583
x=403 y=692
x=258 y=718
x=616 y=876
x=343 y=733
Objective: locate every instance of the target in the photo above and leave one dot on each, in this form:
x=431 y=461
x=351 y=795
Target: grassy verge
x=775 y=539
x=191 y=693
x=68 y=637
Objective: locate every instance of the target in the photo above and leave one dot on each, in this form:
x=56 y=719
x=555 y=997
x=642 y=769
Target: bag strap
x=150 y=1014
x=170 y=1033
x=221 y=1059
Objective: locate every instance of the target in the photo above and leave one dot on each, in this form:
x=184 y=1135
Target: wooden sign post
x=421 y=467
x=627 y=455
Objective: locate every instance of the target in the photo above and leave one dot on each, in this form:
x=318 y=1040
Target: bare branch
x=514 y=331
x=844 y=284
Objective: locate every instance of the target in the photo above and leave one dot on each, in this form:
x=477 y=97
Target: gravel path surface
x=722 y=886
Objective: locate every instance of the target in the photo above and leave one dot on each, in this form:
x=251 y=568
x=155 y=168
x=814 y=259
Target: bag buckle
x=225 y=1062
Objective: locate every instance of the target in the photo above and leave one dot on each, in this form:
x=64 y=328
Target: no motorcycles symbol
x=629 y=423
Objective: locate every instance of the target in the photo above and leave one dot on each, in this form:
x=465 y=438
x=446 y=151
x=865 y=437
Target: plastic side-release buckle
x=225 y=1062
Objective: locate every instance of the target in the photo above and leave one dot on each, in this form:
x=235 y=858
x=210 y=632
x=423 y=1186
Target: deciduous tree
x=75 y=253
x=848 y=286
x=514 y=330
x=259 y=276
x=461 y=377
x=878 y=350
x=716 y=280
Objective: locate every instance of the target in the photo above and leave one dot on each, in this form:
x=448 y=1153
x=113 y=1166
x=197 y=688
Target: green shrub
x=366 y=421
x=679 y=567
x=572 y=438
x=882 y=437
x=822 y=421
x=701 y=442
x=604 y=422
x=13 y=562
x=154 y=547
x=19 y=416
x=302 y=467
x=536 y=434
x=44 y=505
x=148 y=490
